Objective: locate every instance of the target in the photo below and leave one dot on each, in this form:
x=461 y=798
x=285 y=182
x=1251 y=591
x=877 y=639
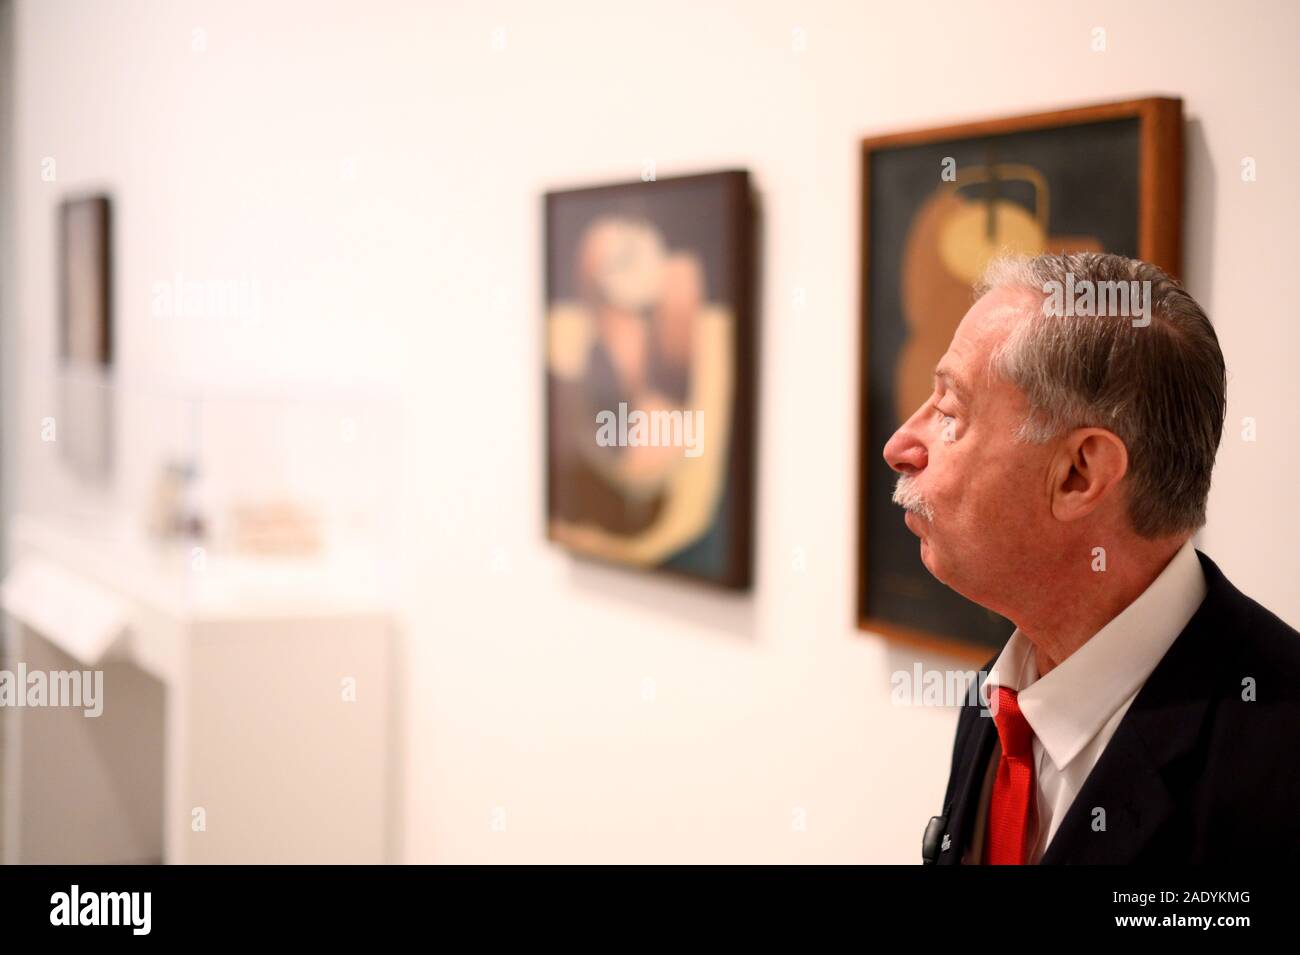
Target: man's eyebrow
x=952 y=384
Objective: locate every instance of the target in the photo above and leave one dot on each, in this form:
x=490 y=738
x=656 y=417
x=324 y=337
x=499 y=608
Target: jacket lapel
x=1125 y=799
x=961 y=819
x=1123 y=802
x=977 y=734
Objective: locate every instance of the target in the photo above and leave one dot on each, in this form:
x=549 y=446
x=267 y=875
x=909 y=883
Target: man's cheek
x=1005 y=503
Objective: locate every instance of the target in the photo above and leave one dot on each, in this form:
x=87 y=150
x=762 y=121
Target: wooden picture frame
x=1135 y=145
x=662 y=271
x=86 y=335
x=85 y=281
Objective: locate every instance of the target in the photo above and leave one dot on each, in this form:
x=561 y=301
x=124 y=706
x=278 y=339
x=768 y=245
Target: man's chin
x=917 y=524
x=930 y=555
x=921 y=530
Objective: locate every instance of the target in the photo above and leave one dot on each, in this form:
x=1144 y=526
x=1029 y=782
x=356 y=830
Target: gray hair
x=1160 y=387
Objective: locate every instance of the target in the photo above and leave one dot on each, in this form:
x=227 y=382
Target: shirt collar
x=1069 y=706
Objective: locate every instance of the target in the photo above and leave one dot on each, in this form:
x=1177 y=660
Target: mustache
x=908 y=496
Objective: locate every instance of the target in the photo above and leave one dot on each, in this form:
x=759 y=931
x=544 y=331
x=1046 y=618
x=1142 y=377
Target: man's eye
x=949 y=425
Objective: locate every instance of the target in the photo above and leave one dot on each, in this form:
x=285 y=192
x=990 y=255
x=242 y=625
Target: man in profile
x=1144 y=710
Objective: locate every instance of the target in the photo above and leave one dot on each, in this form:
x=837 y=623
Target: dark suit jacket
x=1193 y=773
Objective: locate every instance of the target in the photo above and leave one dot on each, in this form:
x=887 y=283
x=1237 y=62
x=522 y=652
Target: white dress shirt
x=1075 y=708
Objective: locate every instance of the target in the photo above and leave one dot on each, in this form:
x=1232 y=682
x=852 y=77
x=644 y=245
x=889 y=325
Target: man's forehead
x=985 y=325
x=990 y=320
x=997 y=311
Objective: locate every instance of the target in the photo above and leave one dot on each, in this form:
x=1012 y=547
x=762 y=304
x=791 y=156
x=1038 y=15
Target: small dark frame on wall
x=85 y=339
x=649 y=328
x=936 y=204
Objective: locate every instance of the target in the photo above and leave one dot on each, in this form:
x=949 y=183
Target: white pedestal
x=251 y=696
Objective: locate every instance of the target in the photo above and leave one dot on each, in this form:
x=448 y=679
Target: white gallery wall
x=384 y=163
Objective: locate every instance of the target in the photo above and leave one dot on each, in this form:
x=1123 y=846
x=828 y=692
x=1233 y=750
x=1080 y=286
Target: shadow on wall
x=705 y=606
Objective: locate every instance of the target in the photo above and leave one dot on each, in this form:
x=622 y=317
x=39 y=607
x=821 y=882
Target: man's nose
x=905 y=452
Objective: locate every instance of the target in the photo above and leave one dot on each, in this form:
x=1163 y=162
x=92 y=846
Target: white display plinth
x=248 y=693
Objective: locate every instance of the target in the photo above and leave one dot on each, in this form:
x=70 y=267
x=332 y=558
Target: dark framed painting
x=649 y=343
x=85 y=338
x=937 y=204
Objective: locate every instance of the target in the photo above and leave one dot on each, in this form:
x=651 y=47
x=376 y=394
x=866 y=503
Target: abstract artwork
x=936 y=206
x=85 y=336
x=649 y=388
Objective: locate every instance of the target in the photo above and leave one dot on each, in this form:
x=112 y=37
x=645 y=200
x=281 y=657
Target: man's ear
x=1088 y=465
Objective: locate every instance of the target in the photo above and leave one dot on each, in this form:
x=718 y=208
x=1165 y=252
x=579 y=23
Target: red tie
x=1011 y=809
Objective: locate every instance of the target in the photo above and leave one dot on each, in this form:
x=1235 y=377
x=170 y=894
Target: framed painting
x=937 y=204
x=85 y=338
x=649 y=344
